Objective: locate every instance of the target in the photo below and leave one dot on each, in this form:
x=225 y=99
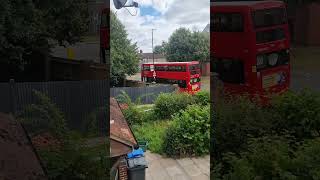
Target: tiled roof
x=18 y=158
x=119 y=128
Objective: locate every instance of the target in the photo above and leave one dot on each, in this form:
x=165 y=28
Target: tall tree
x=160 y=49
x=124 y=53
x=29 y=27
x=185 y=45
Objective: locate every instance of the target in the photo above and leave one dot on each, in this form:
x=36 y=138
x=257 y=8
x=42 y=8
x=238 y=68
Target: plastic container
x=137 y=161
x=143 y=145
x=137 y=173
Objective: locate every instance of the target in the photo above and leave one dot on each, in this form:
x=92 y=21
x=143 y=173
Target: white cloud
x=174 y=14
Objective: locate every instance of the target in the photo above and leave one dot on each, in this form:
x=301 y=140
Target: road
x=301 y=80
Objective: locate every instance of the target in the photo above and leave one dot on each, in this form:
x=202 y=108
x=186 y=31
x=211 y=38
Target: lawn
x=153 y=132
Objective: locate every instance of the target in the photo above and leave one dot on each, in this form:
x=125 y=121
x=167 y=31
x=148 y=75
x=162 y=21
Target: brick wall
x=123 y=170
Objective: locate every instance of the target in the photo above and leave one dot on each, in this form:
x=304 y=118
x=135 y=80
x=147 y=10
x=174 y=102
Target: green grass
x=145 y=107
x=153 y=132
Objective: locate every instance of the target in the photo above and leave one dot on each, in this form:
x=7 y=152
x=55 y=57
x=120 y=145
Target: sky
x=163 y=15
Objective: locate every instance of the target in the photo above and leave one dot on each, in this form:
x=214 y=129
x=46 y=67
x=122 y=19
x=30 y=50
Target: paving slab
x=163 y=168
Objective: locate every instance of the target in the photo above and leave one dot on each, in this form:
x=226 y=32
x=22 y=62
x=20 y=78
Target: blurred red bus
x=185 y=74
x=250 y=46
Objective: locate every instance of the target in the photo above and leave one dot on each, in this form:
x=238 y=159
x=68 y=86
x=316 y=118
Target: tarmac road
x=301 y=80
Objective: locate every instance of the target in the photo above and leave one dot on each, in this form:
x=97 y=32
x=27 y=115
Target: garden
x=176 y=125
x=65 y=153
x=280 y=141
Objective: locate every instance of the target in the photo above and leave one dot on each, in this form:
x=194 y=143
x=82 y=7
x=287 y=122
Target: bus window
x=229 y=70
x=227 y=22
x=146 y=68
x=269 y=17
x=182 y=84
x=270 y=35
x=194 y=69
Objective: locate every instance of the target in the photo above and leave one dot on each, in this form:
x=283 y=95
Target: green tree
x=124 y=53
x=160 y=49
x=185 y=45
x=29 y=27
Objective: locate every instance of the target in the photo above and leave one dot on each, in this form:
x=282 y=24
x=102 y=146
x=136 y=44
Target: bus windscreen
x=269 y=17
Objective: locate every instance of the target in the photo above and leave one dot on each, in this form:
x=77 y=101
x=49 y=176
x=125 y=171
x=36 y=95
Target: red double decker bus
x=185 y=74
x=250 y=46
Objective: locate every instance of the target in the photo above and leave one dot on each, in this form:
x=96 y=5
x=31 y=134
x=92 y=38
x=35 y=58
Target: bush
x=202 y=98
x=133 y=115
x=189 y=133
x=235 y=122
x=298 y=113
x=74 y=162
x=273 y=158
x=44 y=116
x=91 y=125
x=167 y=104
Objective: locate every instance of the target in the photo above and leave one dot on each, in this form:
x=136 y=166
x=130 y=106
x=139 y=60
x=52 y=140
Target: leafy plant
x=133 y=115
x=277 y=157
x=298 y=113
x=167 y=104
x=92 y=122
x=202 y=98
x=237 y=120
x=123 y=53
x=44 y=116
x=189 y=133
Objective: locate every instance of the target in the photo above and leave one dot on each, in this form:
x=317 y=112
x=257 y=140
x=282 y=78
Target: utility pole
x=154 y=76
x=152 y=47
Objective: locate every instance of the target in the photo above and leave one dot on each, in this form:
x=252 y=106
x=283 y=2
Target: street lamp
x=154 y=72
x=152 y=47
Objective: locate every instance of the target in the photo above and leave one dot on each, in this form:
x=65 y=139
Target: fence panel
x=76 y=99
x=147 y=94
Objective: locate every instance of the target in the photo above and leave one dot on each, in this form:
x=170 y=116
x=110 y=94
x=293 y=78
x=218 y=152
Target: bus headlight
x=260 y=61
x=273 y=59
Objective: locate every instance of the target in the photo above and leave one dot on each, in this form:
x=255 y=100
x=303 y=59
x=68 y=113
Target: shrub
x=237 y=120
x=44 y=116
x=189 y=133
x=74 y=162
x=298 y=113
x=91 y=125
x=133 y=115
x=273 y=158
x=202 y=98
x=167 y=104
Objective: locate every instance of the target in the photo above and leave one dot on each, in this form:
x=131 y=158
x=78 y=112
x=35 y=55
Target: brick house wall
x=123 y=170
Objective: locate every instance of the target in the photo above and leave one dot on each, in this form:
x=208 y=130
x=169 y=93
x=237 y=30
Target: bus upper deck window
x=269 y=17
x=227 y=22
x=146 y=68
